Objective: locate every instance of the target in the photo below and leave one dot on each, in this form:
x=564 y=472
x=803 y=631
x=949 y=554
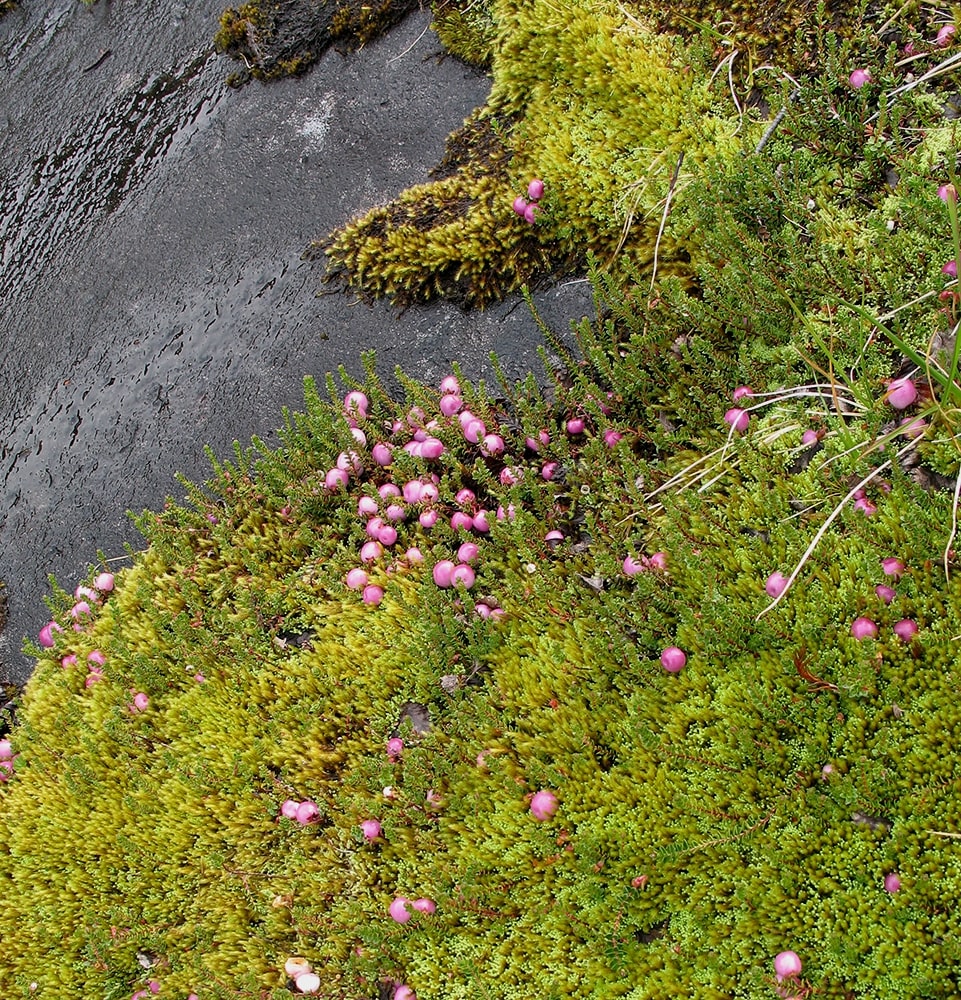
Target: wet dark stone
x=152 y=226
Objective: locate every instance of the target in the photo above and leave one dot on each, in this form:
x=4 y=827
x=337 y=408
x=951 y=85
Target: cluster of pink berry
x=527 y=210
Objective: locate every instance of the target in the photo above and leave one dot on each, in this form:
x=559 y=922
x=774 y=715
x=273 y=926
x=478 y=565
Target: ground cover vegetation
x=638 y=680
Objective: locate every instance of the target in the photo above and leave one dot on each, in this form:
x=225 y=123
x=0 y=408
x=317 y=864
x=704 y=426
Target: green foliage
x=620 y=109
x=707 y=819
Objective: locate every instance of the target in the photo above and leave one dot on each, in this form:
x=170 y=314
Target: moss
x=467 y=29
x=616 y=107
x=276 y=40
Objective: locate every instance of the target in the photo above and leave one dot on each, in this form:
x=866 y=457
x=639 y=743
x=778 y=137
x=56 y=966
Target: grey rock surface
x=153 y=298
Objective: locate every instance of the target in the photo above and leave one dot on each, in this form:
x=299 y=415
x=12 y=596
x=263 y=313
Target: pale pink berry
x=530 y=213
x=372 y=594
x=356 y=579
x=946 y=35
x=519 y=205
x=775 y=584
x=535 y=189
x=901 y=393
x=891 y=882
x=543 y=805
x=575 y=426
x=404 y=992
x=288 y=808
x=398 y=910
x=741 y=392
x=632 y=566
x=395 y=747
x=738 y=419
x=371 y=829
x=864 y=628
x=424 y=905
x=449 y=384
x=673 y=659
x=859 y=78
x=787 y=965
x=443 y=572
x=885 y=593
x=947 y=192
x=104 y=582
x=308 y=982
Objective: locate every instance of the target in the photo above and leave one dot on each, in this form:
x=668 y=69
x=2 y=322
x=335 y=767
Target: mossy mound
x=615 y=107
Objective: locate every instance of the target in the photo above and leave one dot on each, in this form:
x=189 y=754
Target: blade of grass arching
x=952 y=390
x=905 y=348
x=822 y=531
x=954 y=525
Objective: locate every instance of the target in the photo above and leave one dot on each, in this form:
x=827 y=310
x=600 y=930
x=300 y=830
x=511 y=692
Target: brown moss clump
x=276 y=40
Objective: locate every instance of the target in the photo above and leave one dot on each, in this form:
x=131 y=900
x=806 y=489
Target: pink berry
x=543 y=805
x=947 y=192
x=468 y=552
x=945 y=35
x=427 y=518
x=460 y=521
x=863 y=628
x=475 y=431
x=424 y=905
x=449 y=385
x=775 y=584
x=673 y=659
x=289 y=808
x=901 y=393
x=519 y=205
x=549 y=470
x=632 y=566
x=462 y=576
x=398 y=910
x=381 y=453
x=892 y=567
x=404 y=992
x=395 y=747
x=355 y=404
x=449 y=405
x=787 y=965
x=530 y=213
x=493 y=444
x=370 y=551
x=103 y=582
x=885 y=593
x=371 y=829
x=891 y=882
x=859 y=78
x=575 y=426
x=950 y=269
x=388 y=490
x=356 y=579
x=481 y=522
x=741 y=392
x=906 y=629
x=307 y=812
x=535 y=189
x=738 y=419
x=373 y=594
x=809 y=437
x=336 y=479
x=442 y=573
